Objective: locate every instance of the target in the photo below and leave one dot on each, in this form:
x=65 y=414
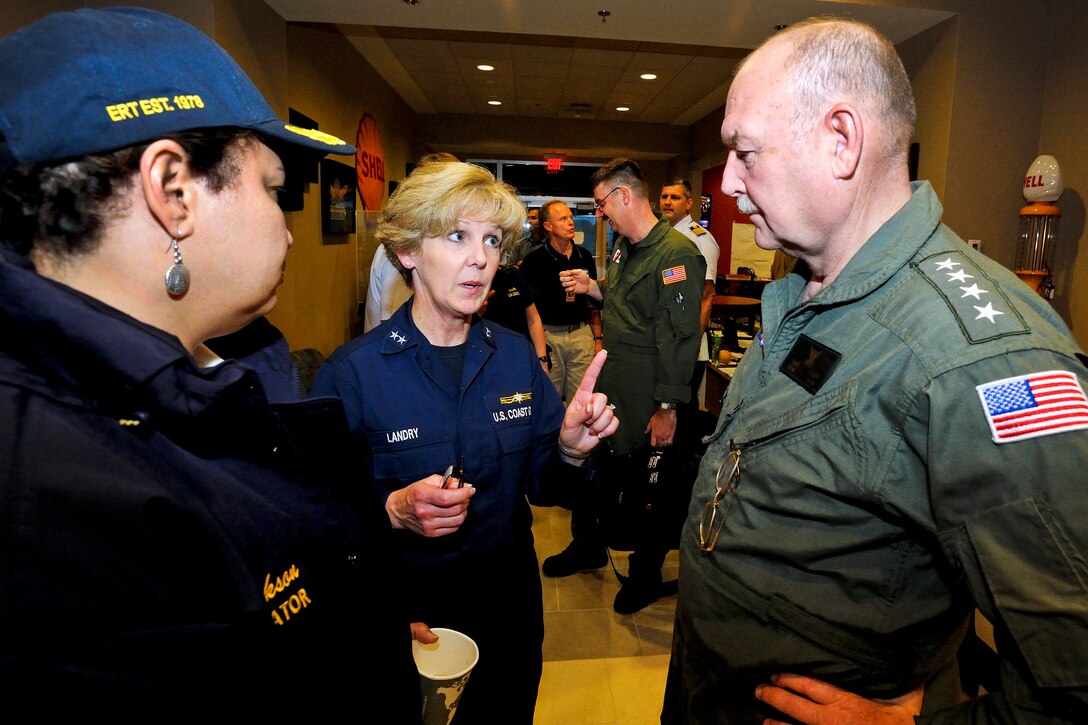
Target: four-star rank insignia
x=981 y=308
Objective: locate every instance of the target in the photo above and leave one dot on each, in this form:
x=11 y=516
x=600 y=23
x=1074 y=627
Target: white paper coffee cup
x=444 y=668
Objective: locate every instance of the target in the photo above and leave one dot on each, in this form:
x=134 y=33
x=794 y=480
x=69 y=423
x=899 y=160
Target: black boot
x=643 y=586
x=575 y=558
x=638 y=593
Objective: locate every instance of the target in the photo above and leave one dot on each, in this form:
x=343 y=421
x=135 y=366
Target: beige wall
x=256 y=37
x=1065 y=136
x=331 y=83
x=930 y=60
x=995 y=123
x=1011 y=74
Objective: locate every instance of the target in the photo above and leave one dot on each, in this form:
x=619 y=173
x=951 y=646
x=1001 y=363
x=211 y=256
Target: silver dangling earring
x=177 y=277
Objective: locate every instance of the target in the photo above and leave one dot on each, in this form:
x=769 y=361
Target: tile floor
x=603 y=668
x=600 y=668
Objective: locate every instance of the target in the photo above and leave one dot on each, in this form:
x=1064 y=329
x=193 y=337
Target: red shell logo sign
x=370 y=163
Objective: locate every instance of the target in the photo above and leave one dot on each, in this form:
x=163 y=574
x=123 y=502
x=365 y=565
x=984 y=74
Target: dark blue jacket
x=168 y=538
x=263 y=348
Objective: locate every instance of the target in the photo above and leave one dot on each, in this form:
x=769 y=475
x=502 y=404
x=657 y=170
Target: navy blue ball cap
x=92 y=81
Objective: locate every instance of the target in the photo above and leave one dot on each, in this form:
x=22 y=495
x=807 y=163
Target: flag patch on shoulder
x=1029 y=406
x=674 y=274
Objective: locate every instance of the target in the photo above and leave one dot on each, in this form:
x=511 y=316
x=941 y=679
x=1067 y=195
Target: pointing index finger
x=589 y=380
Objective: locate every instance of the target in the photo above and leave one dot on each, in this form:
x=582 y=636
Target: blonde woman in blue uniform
x=429 y=391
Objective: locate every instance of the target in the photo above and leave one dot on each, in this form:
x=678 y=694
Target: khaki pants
x=572 y=352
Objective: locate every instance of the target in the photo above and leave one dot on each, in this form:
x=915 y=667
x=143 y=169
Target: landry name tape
x=1029 y=406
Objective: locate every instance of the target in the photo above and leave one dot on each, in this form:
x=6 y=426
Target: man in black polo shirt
x=572 y=328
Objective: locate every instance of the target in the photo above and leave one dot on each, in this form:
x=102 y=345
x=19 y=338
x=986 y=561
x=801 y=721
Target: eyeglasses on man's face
x=597 y=205
x=713 y=519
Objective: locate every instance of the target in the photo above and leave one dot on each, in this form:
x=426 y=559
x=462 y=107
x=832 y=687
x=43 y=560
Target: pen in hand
x=453 y=472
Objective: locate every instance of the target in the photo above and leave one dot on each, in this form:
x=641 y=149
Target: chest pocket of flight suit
x=512 y=418
x=814 y=445
x=411 y=453
x=639 y=298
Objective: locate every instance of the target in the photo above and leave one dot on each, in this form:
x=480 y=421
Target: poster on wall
x=370 y=163
x=746 y=253
x=337 y=200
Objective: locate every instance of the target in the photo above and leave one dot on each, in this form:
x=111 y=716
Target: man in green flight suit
x=906 y=441
x=651 y=295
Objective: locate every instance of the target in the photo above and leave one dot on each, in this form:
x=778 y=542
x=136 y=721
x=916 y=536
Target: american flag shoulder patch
x=674 y=274
x=1029 y=406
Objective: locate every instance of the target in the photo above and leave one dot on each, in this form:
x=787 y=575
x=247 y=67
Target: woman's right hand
x=428 y=509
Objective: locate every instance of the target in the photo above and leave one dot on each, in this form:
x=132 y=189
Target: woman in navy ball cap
x=169 y=540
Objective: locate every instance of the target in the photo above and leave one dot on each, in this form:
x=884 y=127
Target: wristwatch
x=598 y=337
x=667 y=406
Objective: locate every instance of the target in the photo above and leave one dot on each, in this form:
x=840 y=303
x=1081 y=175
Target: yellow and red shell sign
x=370 y=163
